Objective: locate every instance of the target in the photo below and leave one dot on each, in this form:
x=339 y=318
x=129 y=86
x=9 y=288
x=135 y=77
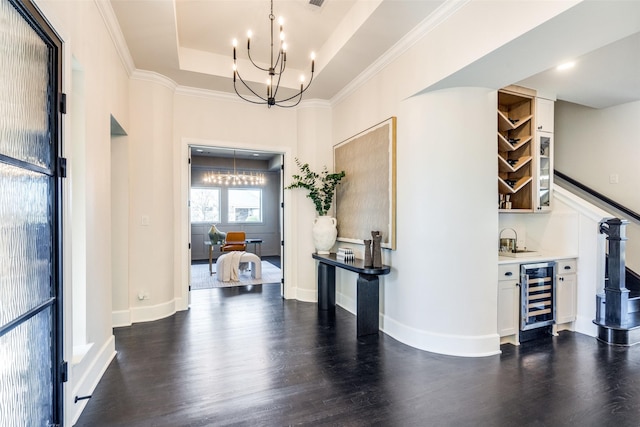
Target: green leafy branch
x=321 y=186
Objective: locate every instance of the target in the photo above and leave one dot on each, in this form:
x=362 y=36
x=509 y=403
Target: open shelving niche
x=515 y=148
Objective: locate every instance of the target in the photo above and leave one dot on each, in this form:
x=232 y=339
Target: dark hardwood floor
x=244 y=356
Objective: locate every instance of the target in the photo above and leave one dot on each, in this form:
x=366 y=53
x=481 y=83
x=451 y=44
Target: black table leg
x=326 y=287
x=368 y=301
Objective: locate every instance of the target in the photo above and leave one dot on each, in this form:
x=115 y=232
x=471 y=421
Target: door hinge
x=189 y=245
x=281 y=242
x=62 y=167
x=189 y=160
x=64 y=372
x=282 y=204
x=282 y=280
x=63 y=103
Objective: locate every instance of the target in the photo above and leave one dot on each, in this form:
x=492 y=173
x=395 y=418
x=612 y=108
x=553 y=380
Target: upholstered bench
x=247 y=257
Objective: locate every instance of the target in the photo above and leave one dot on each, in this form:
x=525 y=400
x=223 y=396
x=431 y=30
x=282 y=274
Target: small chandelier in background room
x=235 y=178
x=276 y=69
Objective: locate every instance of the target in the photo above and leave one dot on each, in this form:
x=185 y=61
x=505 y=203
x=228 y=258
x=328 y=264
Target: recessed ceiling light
x=566 y=66
x=255 y=154
x=199 y=150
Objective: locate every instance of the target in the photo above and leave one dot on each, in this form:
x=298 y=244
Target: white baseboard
x=121 y=318
x=346 y=303
x=306 y=295
x=453 y=345
x=585 y=326
x=150 y=313
x=86 y=384
x=153 y=312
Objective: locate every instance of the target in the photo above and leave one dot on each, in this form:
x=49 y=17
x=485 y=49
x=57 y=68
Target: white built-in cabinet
x=509 y=298
x=544 y=115
x=525 y=150
x=543 y=158
x=508 y=302
x=566 y=291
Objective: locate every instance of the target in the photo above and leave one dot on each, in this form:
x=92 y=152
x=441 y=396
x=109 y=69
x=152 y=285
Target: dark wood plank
x=244 y=356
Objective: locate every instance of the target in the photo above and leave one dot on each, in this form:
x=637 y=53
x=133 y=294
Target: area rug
x=201 y=279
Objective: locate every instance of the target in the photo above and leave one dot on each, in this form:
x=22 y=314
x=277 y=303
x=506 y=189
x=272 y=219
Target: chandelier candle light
x=276 y=69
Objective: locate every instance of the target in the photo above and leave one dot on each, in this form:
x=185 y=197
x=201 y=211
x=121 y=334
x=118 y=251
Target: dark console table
x=368 y=290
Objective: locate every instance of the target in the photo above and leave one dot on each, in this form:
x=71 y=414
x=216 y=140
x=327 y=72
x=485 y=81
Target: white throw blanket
x=231 y=263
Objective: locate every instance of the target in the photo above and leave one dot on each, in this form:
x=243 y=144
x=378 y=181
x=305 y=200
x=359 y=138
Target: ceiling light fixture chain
x=277 y=67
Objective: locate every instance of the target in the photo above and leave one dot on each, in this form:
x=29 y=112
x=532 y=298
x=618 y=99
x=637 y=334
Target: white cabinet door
x=508 y=304
x=508 y=299
x=566 y=298
x=544 y=115
x=566 y=291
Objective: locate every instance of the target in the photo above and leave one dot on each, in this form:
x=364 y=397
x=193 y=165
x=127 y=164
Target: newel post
x=616 y=292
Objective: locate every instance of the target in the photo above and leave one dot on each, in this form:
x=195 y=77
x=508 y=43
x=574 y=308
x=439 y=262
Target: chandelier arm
x=254 y=64
x=264 y=101
x=278 y=104
x=299 y=93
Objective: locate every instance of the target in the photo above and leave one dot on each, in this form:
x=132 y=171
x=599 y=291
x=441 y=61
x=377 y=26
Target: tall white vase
x=324 y=233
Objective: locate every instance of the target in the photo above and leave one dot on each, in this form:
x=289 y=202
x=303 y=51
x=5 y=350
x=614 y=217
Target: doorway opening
x=235 y=190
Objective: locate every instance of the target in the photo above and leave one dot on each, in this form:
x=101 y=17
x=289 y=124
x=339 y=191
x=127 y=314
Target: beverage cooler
x=538 y=295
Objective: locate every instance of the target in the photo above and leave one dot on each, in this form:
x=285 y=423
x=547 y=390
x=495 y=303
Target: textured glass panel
x=24 y=90
x=25 y=241
x=26 y=385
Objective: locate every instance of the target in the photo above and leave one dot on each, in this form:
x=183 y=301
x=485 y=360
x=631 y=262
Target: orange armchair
x=236 y=241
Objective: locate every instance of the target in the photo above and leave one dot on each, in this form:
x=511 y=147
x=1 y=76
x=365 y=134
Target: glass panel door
x=538 y=295
x=30 y=312
x=545 y=170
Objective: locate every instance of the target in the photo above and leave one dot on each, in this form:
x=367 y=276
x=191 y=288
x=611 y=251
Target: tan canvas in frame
x=366 y=197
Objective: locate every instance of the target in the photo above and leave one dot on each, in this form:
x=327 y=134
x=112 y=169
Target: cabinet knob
x=567 y=267
x=561 y=279
x=508 y=273
x=539 y=127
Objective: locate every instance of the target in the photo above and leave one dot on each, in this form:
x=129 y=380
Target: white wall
x=592 y=144
x=106 y=92
x=151 y=222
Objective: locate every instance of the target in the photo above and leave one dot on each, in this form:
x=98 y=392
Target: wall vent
x=316 y=2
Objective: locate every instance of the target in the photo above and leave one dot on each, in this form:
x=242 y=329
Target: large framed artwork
x=366 y=196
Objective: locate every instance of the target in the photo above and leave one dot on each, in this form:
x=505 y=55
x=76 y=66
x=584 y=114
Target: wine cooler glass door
x=537 y=295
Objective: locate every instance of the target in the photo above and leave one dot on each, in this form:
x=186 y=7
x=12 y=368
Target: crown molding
x=314 y=103
x=111 y=22
x=441 y=14
x=207 y=93
x=153 y=77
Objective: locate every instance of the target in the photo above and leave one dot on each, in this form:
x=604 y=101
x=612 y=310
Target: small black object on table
x=368 y=290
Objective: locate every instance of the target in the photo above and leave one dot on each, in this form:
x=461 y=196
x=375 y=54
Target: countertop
x=537 y=257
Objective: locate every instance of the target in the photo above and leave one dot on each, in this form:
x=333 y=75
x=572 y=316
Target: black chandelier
x=276 y=69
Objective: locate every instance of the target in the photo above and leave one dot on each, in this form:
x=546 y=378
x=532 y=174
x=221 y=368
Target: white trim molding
x=153 y=77
x=85 y=385
x=453 y=345
x=441 y=14
x=111 y=22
